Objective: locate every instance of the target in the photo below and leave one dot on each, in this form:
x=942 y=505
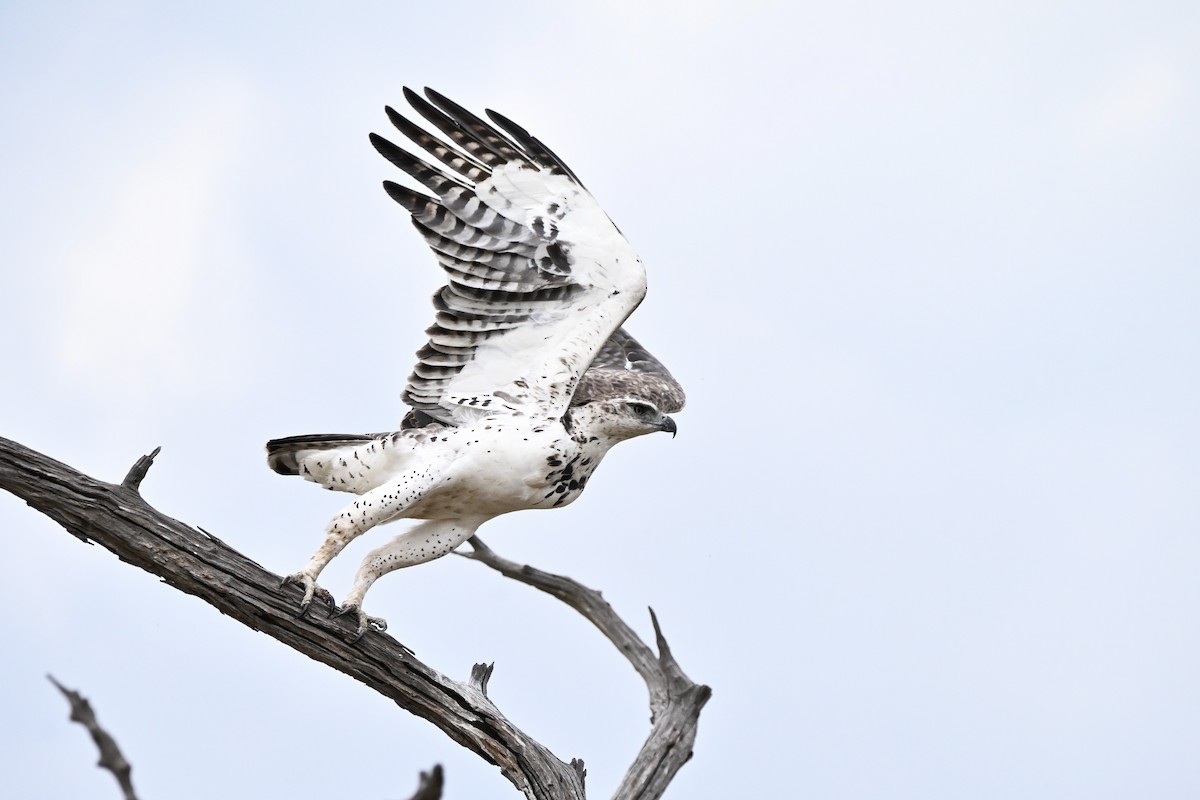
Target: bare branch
x=111 y=758
x=430 y=785
x=116 y=517
x=133 y=480
x=675 y=701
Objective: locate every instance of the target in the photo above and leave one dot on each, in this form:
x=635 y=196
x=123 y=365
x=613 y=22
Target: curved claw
x=325 y=597
x=365 y=621
x=310 y=588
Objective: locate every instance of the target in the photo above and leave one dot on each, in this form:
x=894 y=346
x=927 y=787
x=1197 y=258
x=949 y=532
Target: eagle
x=527 y=378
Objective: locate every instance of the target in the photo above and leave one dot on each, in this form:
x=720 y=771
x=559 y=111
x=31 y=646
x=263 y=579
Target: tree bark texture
x=194 y=561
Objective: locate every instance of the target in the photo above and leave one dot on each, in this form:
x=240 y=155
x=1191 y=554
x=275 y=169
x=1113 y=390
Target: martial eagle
x=527 y=378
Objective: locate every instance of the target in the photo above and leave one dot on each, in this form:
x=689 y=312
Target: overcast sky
x=930 y=274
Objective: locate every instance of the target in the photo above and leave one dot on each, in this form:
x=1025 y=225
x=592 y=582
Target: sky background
x=928 y=272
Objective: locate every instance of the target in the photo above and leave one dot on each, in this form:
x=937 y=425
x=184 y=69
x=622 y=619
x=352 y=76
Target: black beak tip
x=668 y=426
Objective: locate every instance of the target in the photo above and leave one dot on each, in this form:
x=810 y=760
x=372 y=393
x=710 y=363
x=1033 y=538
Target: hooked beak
x=668 y=426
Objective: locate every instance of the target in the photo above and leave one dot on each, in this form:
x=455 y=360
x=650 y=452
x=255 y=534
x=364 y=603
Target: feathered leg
x=382 y=504
x=431 y=539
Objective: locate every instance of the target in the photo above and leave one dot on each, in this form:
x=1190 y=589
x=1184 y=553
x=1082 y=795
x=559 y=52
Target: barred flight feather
x=438 y=220
x=484 y=133
x=456 y=160
x=542 y=154
x=432 y=178
x=452 y=129
x=471 y=209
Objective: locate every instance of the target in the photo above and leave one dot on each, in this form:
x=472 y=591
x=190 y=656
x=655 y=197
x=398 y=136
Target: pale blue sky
x=929 y=273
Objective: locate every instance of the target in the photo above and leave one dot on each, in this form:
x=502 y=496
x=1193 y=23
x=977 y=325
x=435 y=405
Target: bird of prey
x=527 y=378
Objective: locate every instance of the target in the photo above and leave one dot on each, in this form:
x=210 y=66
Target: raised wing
x=539 y=277
x=623 y=368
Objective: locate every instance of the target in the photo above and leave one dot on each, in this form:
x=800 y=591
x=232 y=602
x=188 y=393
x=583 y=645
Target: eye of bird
x=642 y=409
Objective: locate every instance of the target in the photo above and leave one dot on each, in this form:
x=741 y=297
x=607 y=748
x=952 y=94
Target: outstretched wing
x=623 y=368
x=539 y=277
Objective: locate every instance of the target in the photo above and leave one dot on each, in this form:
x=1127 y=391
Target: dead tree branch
x=675 y=701
x=430 y=785
x=193 y=561
x=111 y=758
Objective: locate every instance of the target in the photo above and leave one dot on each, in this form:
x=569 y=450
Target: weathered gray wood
x=193 y=561
x=111 y=757
x=675 y=701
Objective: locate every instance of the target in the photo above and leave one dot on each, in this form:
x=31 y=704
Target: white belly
x=508 y=468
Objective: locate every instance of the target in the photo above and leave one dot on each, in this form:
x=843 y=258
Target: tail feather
x=284 y=455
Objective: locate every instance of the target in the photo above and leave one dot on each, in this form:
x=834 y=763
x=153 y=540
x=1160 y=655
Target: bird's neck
x=588 y=426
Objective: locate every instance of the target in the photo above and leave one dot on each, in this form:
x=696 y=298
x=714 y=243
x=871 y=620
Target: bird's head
x=626 y=417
